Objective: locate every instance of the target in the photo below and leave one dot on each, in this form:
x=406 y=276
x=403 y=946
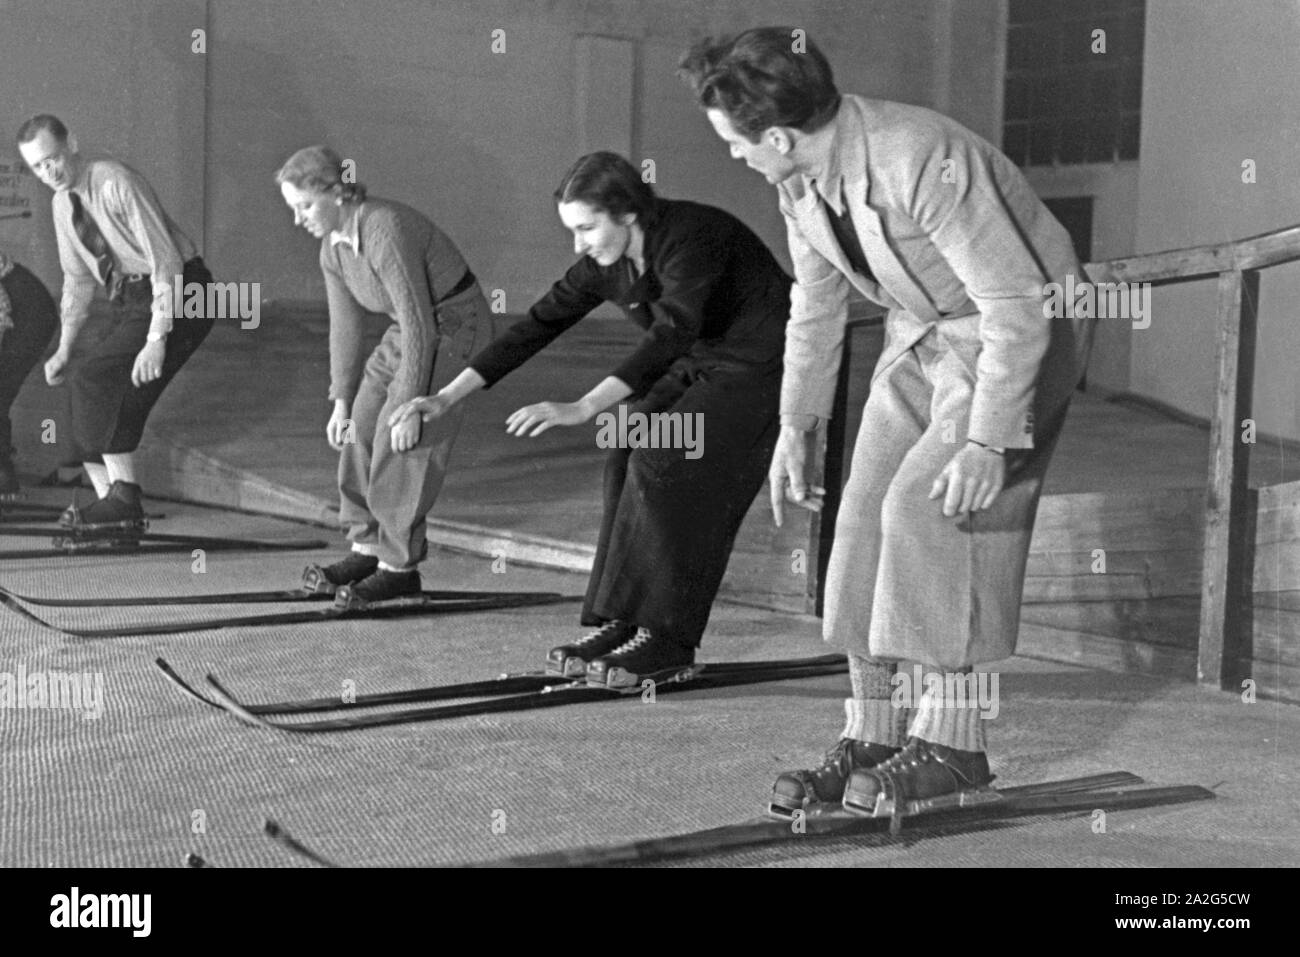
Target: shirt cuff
x=161 y=321
x=801 y=422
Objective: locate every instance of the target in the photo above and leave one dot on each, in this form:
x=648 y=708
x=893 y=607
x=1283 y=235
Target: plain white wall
x=412 y=90
x=479 y=139
x=1220 y=88
x=124 y=78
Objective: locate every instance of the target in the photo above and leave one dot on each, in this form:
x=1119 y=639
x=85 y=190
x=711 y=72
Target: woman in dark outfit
x=713 y=303
x=28 y=319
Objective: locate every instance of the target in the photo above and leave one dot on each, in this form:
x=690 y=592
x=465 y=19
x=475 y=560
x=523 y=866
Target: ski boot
x=380 y=585
x=116 y=520
x=570 y=661
x=643 y=658
x=327 y=579
x=797 y=790
x=922 y=777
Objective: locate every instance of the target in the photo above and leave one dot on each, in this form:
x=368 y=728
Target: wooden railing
x=1225 y=578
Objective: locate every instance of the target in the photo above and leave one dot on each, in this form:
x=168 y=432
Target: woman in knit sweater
x=379 y=256
x=28 y=318
x=713 y=303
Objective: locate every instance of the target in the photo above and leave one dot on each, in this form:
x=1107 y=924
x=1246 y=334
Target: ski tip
x=271 y=828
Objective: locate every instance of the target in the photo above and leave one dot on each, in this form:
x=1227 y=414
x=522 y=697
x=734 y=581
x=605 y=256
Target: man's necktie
x=92 y=239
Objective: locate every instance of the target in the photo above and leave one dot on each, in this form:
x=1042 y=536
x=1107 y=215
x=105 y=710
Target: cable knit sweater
x=404 y=264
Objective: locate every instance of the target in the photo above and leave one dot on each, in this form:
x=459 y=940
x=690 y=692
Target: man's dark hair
x=42 y=123
x=765 y=77
x=606 y=181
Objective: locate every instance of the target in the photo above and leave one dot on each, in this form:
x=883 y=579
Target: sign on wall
x=15 y=187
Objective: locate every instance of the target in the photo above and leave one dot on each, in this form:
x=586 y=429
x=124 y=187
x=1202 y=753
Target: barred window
x=1073 y=90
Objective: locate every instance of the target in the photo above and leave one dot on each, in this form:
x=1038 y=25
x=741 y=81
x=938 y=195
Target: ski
x=502 y=685
x=557 y=693
x=113 y=550
x=397 y=608
x=273 y=597
x=24 y=512
x=17 y=512
x=150 y=545
x=758 y=832
x=1074 y=796
x=75 y=539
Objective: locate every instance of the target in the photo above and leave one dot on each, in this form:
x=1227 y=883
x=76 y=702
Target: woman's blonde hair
x=319 y=169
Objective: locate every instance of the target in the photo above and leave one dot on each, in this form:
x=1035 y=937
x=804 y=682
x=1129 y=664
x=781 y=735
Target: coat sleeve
x=567 y=301
x=971 y=205
x=814 y=337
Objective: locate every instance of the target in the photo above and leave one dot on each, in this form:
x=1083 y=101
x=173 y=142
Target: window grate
x=1062 y=102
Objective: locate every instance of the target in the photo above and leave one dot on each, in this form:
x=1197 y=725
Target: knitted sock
x=953 y=720
x=870 y=716
x=120 y=467
x=870 y=678
x=98 y=475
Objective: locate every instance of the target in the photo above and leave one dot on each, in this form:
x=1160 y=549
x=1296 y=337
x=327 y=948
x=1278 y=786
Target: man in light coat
x=926 y=218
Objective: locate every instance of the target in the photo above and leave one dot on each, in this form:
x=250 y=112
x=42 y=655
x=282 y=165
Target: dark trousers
x=108 y=412
x=670 y=521
x=36 y=318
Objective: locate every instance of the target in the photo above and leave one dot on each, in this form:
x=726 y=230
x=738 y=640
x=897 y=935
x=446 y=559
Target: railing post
x=1225 y=584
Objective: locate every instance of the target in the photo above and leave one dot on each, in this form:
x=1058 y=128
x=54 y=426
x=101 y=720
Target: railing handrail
x=1195 y=262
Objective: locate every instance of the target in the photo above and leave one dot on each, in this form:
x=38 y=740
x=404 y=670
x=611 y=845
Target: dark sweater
x=710 y=289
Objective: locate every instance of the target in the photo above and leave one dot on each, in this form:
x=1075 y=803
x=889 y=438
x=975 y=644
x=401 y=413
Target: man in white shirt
x=112 y=232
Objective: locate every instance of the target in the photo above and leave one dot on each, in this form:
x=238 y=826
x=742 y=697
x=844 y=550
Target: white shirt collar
x=350 y=233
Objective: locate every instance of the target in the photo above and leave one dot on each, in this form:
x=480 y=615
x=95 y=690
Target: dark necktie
x=92 y=239
x=847 y=235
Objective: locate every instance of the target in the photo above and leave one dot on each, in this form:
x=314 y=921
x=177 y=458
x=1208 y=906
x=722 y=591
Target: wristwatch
x=155 y=337
x=991 y=448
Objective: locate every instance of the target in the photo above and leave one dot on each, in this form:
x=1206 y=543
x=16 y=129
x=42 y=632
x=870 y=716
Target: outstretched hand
x=543 y=415
x=427 y=407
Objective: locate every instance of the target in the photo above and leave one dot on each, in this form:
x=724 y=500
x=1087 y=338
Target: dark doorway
x=1075 y=214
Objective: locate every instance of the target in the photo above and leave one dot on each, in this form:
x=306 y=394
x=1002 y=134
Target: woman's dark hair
x=769 y=76
x=606 y=181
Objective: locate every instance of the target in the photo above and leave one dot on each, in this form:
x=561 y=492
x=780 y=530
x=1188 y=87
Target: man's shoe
x=922 y=777
x=796 y=790
x=122 y=509
x=645 y=657
x=327 y=579
x=70 y=516
x=570 y=661
x=380 y=585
